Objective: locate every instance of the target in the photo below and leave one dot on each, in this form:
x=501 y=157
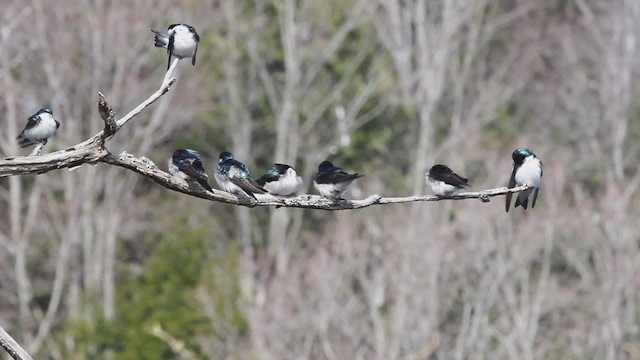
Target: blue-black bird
x=40 y=127
x=187 y=165
x=527 y=170
x=234 y=177
x=331 y=181
x=281 y=179
x=443 y=181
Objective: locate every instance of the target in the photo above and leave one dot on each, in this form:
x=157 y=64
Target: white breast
x=45 y=129
x=529 y=173
x=184 y=45
x=288 y=184
x=441 y=188
x=223 y=182
x=332 y=191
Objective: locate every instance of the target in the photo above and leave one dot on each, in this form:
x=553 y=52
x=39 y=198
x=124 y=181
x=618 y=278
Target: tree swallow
x=181 y=41
x=234 y=177
x=527 y=170
x=443 y=181
x=185 y=164
x=40 y=127
x=281 y=179
x=331 y=181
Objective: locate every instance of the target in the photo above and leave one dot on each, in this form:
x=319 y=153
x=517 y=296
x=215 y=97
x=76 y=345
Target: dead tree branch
x=89 y=151
x=12 y=347
x=148 y=169
x=93 y=151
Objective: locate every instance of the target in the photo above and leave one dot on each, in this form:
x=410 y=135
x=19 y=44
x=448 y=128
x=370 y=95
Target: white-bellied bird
x=443 y=181
x=234 y=177
x=187 y=165
x=331 y=181
x=527 y=170
x=181 y=41
x=40 y=127
x=281 y=180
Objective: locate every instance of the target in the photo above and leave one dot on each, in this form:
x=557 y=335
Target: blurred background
x=102 y=263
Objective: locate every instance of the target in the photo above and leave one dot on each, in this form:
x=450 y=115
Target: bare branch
x=88 y=151
x=148 y=169
x=93 y=151
x=176 y=345
x=12 y=347
x=108 y=116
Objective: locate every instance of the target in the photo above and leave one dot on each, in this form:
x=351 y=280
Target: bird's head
x=519 y=155
x=225 y=155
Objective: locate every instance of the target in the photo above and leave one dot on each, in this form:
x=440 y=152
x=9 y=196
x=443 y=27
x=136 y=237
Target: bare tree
x=85 y=227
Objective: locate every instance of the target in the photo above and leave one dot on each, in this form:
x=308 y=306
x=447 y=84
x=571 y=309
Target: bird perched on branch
x=281 y=179
x=527 y=170
x=234 y=177
x=331 y=181
x=443 y=181
x=40 y=127
x=181 y=41
x=186 y=164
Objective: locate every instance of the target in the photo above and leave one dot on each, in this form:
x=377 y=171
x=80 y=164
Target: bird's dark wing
x=271 y=175
x=33 y=120
x=450 y=178
x=263 y=180
x=461 y=182
x=281 y=168
x=195 y=170
x=238 y=174
x=169 y=47
x=535 y=197
x=512 y=183
x=193 y=58
x=335 y=177
x=249 y=186
x=256 y=187
x=23 y=142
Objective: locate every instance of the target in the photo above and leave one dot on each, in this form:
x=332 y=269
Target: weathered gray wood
x=12 y=347
x=145 y=167
x=93 y=151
